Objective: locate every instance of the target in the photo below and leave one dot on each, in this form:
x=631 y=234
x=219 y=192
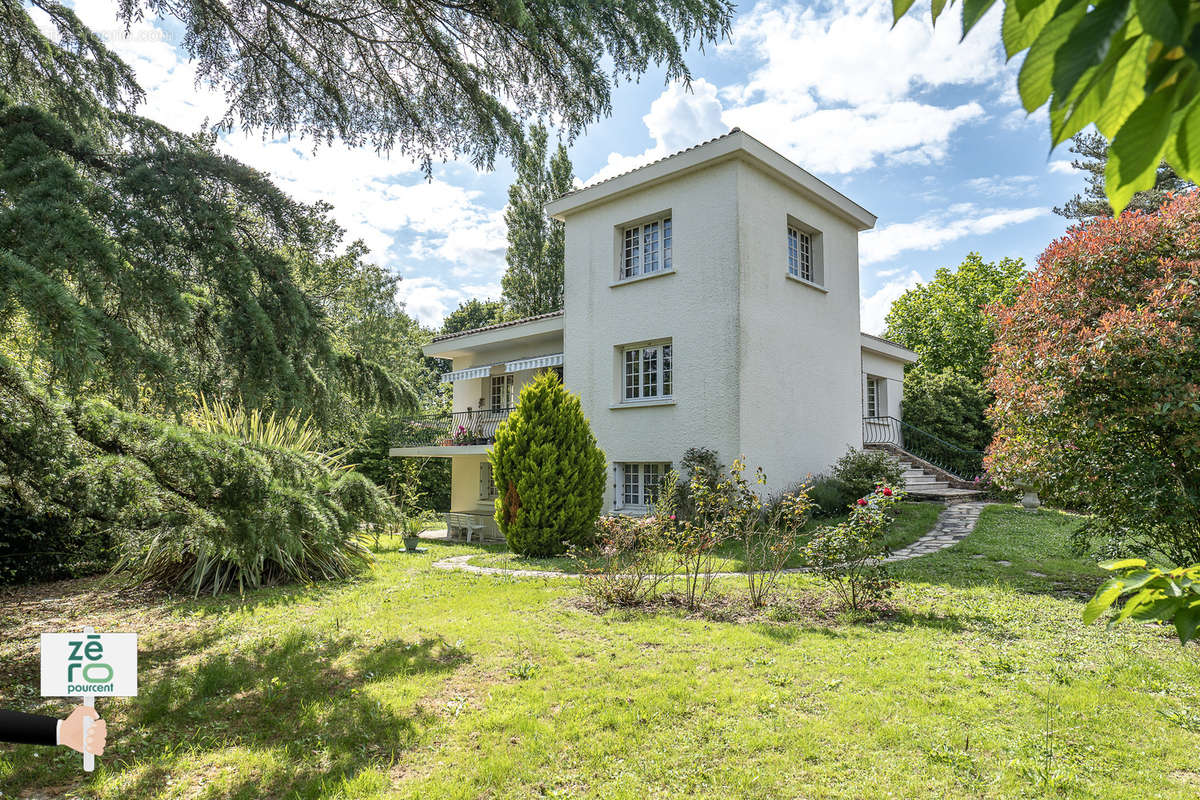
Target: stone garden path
x=952 y=527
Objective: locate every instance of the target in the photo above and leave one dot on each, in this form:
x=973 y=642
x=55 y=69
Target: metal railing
x=960 y=462
x=461 y=428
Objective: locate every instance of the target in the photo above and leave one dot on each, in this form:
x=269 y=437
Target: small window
x=646 y=248
x=487 y=486
x=648 y=372
x=874 y=396
x=502 y=392
x=638 y=484
x=800 y=255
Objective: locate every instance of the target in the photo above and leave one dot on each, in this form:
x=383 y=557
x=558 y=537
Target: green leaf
x=1187 y=143
x=1105 y=596
x=1124 y=563
x=936 y=8
x=1038 y=69
x=1165 y=20
x=1137 y=149
x=899 y=9
x=1020 y=32
x=1187 y=620
x=1086 y=46
x=1126 y=92
x=1023 y=7
x=973 y=11
x=1087 y=100
x=1136 y=603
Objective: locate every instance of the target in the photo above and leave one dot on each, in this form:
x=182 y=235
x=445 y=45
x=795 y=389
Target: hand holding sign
x=72 y=734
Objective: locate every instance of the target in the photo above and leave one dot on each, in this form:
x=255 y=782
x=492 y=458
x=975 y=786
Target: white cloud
x=429 y=300
x=1003 y=185
x=1061 y=167
x=935 y=230
x=836 y=88
x=677 y=119
x=873 y=308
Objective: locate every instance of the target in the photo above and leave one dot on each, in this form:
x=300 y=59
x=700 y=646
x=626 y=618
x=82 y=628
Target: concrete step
x=922 y=478
x=914 y=473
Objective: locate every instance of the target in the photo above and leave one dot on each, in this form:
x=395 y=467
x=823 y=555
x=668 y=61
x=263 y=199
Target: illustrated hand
x=72 y=731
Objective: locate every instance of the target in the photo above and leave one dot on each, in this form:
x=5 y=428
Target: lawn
x=414 y=682
x=913 y=520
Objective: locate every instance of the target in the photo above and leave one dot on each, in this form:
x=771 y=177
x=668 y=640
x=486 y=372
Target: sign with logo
x=89 y=664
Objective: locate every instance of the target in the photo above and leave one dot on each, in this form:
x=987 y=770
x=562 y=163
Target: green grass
x=411 y=682
x=913 y=520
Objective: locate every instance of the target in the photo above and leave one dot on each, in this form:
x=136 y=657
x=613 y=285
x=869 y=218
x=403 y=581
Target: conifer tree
x=548 y=470
x=533 y=283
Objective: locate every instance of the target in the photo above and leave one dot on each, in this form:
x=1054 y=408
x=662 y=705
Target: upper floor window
x=502 y=392
x=648 y=372
x=804 y=257
x=800 y=254
x=875 y=399
x=646 y=248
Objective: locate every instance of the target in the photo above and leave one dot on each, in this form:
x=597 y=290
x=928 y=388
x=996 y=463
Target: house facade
x=711 y=300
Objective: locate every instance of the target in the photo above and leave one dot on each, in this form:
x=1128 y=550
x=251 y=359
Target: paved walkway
x=952 y=527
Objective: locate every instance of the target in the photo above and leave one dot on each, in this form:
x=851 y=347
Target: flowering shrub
x=1096 y=374
x=630 y=558
x=462 y=436
x=849 y=555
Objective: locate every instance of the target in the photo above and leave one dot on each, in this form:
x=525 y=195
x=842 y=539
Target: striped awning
x=466 y=374
x=539 y=362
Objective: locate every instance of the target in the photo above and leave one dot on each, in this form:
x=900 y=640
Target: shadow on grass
x=303 y=693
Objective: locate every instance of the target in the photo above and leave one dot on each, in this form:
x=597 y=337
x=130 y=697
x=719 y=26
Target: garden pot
x=1030 y=501
x=412 y=544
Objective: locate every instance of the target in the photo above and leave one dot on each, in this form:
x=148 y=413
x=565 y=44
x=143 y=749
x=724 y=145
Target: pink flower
x=887 y=492
x=672 y=517
x=862 y=501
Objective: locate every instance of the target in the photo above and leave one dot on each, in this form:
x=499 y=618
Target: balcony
x=461 y=429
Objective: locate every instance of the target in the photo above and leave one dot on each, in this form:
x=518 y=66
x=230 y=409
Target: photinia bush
x=1096 y=374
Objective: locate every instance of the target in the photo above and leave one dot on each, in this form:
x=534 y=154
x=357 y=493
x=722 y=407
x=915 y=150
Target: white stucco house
x=711 y=299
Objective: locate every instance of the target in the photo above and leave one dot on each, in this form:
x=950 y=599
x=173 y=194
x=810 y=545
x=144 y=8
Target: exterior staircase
x=925 y=482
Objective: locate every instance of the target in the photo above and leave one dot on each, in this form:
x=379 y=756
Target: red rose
x=887 y=492
x=862 y=501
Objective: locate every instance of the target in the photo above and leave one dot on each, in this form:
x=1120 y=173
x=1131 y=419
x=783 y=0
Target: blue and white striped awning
x=538 y=362
x=467 y=374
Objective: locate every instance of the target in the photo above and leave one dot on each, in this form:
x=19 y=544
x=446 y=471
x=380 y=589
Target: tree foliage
x=950 y=405
x=944 y=321
x=473 y=314
x=533 y=283
x=1092 y=152
x=548 y=471
x=431 y=80
x=1130 y=68
x=191 y=509
x=1097 y=375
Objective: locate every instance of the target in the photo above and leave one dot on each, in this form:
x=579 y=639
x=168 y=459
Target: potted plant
x=410 y=528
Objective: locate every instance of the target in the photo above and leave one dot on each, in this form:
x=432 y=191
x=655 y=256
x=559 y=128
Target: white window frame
x=800 y=254
x=647 y=372
x=500 y=389
x=874 y=396
x=633 y=482
x=652 y=237
x=487 y=484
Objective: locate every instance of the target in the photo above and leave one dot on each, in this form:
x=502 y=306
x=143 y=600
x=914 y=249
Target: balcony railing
x=457 y=429
x=960 y=462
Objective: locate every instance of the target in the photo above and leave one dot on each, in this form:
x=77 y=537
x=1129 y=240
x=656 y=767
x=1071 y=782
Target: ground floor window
x=638 y=484
x=487 y=485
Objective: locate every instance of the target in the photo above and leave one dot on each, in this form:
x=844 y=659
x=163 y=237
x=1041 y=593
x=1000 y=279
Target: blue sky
x=925 y=132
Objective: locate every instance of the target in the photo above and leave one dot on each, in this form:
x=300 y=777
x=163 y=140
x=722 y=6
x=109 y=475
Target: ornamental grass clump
x=549 y=473
x=849 y=555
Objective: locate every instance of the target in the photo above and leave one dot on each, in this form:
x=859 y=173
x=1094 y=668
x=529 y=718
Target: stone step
x=914 y=473
x=922 y=478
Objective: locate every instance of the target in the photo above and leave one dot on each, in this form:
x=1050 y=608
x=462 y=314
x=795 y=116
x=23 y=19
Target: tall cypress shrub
x=549 y=473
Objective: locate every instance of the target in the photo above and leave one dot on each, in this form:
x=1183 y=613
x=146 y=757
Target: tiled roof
x=648 y=164
x=497 y=326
